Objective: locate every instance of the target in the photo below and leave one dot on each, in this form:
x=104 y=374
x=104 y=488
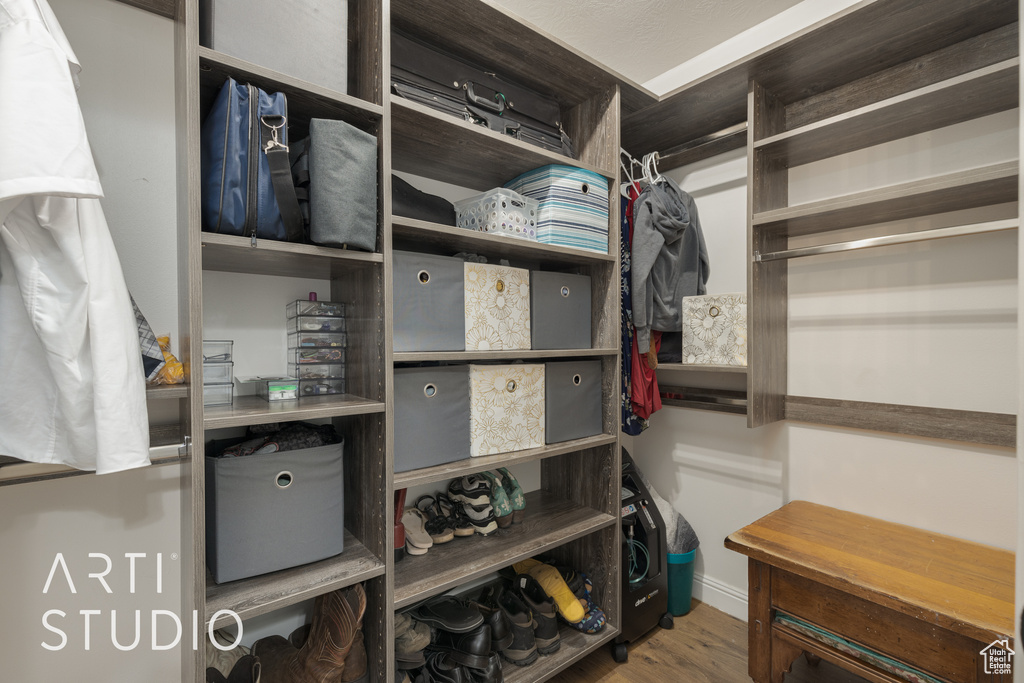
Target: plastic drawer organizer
x=501 y=212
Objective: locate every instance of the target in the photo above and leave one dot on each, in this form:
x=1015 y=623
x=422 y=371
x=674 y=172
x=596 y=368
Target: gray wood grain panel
x=487 y=34
x=574 y=647
x=368 y=24
x=593 y=127
x=165 y=8
x=968 y=189
x=419 y=234
x=459 y=468
x=262 y=594
x=992 y=429
x=526 y=354
x=429 y=143
x=550 y=520
x=253 y=410
x=767 y=287
x=161 y=392
x=865 y=38
x=680 y=367
x=234 y=254
x=305 y=99
x=981 y=92
x=955 y=60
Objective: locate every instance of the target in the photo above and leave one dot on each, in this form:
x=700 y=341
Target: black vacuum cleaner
x=644 y=556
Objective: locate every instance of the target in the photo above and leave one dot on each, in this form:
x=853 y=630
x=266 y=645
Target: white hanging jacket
x=72 y=389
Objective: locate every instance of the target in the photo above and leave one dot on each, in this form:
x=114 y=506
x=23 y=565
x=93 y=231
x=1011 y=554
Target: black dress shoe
x=468 y=649
x=441 y=669
x=501 y=629
x=449 y=614
x=492 y=674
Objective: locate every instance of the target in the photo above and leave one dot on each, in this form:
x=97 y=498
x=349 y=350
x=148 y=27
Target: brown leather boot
x=337 y=617
x=355 y=662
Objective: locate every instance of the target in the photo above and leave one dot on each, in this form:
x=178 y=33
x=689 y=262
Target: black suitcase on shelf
x=425 y=75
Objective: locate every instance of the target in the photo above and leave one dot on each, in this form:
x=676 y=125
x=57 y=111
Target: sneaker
x=515 y=493
x=523 y=649
x=582 y=587
x=482 y=517
x=499 y=500
x=437 y=524
x=545 y=616
x=411 y=638
x=461 y=524
x=473 y=489
x=417 y=540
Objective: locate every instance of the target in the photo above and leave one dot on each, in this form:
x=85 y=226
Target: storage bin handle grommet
x=565 y=291
x=576 y=379
x=585 y=188
x=283 y=479
x=510 y=386
x=714 y=311
x=500 y=285
x=430 y=391
x=423 y=276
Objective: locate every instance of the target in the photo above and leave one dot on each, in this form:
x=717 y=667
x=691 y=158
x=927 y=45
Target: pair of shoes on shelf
x=472 y=492
x=442 y=668
x=545 y=614
x=499 y=489
x=462 y=649
x=513 y=491
x=411 y=638
x=582 y=587
x=246 y=669
x=331 y=648
x=555 y=587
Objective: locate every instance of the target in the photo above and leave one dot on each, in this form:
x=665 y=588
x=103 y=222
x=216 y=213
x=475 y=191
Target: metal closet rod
x=904 y=238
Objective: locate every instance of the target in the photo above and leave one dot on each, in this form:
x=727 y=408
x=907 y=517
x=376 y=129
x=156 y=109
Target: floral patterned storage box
x=506 y=408
x=715 y=329
x=497 y=307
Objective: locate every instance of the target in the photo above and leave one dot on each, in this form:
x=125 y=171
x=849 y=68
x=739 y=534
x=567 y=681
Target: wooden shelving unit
x=550 y=521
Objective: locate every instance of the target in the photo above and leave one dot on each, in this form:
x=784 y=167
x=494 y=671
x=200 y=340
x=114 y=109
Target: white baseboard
x=721 y=596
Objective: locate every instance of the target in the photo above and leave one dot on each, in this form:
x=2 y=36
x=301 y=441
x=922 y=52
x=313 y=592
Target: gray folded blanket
x=680 y=536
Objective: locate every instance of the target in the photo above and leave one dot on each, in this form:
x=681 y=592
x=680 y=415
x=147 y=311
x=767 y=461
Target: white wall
x=930 y=324
x=127 y=99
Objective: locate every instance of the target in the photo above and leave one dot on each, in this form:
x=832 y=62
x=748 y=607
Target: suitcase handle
x=496 y=105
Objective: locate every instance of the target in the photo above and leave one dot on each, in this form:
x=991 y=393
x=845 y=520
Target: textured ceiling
x=642 y=39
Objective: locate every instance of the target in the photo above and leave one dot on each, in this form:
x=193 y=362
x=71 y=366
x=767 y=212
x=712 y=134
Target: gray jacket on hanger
x=669 y=261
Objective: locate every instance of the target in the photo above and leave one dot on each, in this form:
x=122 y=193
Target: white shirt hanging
x=71 y=380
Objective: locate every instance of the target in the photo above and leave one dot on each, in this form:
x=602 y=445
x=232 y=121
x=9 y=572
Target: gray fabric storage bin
x=559 y=310
x=307 y=39
x=431 y=427
x=257 y=522
x=573 y=409
x=429 y=313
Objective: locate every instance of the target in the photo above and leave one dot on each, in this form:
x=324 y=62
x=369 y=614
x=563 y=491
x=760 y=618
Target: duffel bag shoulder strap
x=281 y=175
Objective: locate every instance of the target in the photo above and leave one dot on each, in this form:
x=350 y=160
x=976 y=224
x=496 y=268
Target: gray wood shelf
x=253 y=410
x=428 y=475
x=495 y=38
x=514 y=354
x=261 y=594
x=981 y=92
x=969 y=189
x=574 y=647
x=550 y=521
x=305 y=100
x=162 y=392
x=422 y=233
x=432 y=144
x=689 y=367
x=164 y=8
x=235 y=254
x=814 y=60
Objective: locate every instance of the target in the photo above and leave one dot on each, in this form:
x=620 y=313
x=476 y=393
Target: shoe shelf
x=235 y=254
x=690 y=367
x=550 y=521
x=162 y=392
x=305 y=99
x=253 y=410
x=483 y=463
x=454 y=239
x=514 y=354
x=574 y=647
x=436 y=145
x=979 y=93
x=261 y=594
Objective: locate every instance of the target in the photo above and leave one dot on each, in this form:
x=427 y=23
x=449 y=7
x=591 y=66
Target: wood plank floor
x=706 y=645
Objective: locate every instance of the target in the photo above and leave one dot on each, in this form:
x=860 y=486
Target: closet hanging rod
x=903 y=238
x=713 y=144
x=26 y=472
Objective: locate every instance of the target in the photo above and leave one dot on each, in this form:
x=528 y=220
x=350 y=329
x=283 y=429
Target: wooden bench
x=924 y=600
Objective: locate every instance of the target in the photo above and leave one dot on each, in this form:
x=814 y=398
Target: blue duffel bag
x=246 y=177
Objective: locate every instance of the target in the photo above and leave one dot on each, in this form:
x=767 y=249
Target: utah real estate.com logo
x=998 y=658
x=166 y=628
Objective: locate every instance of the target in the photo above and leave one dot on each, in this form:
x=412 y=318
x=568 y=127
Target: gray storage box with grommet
x=559 y=310
x=431 y=416
x=429 y=303
x=573 y=397
x=273 y=511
